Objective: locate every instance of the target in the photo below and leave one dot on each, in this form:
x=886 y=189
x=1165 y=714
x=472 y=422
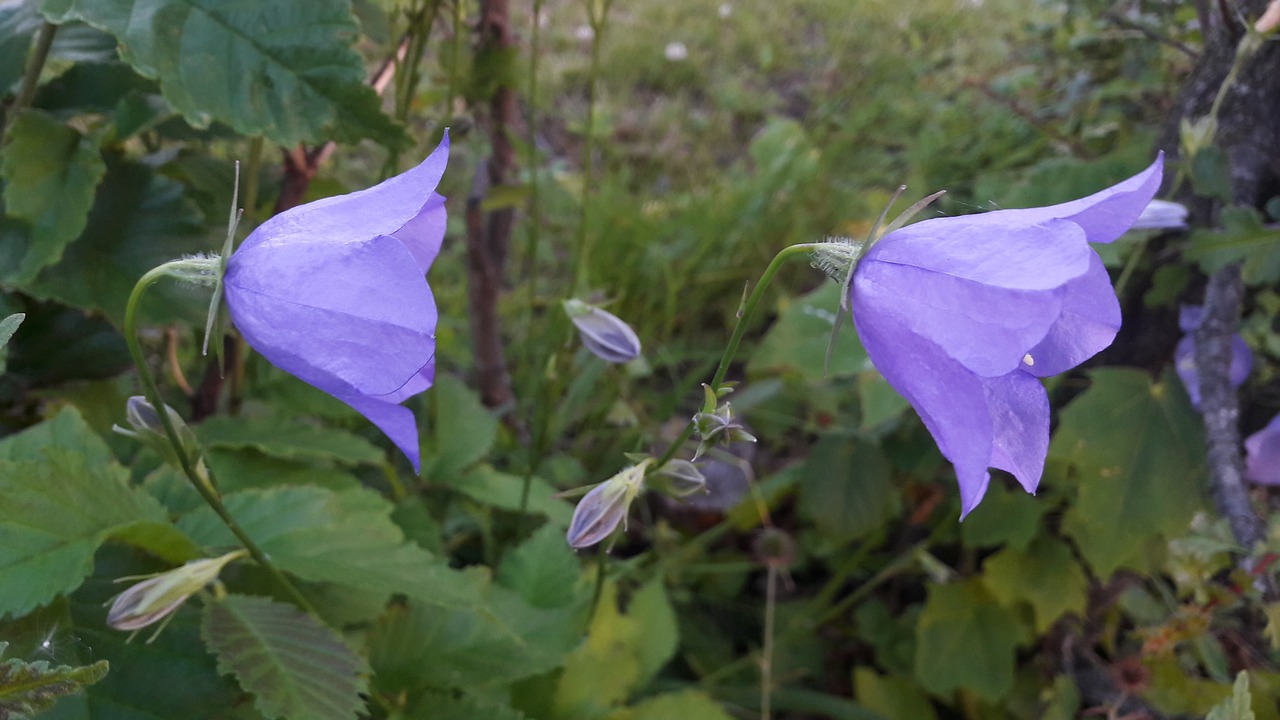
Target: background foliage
x=684 y=144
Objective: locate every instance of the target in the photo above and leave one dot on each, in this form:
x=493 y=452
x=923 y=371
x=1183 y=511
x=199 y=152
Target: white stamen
x=1030 y=361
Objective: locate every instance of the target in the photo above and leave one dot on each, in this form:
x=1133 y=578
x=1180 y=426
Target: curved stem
x=730 y=350
x=152 y=393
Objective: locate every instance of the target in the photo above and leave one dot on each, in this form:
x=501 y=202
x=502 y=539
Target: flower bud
x=604 y=508
x=157 y=597
x=148 y=429
x=683 y=478
x=606 y=336
x=718 y=427
x=1161 y=215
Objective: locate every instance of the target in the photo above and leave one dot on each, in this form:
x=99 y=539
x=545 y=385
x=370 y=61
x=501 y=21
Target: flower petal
x=1262 y=454
x=1019 y=409
x=951 y=400
x=424 y=234
x=989 y=249
x=1105 y=215
x=396 y=421
x=1089 y=321
x=987 y=329
x=358 y=311
x=380 y=210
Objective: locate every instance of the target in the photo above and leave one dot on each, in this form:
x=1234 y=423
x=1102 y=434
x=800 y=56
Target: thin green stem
x=35 y=65
x=744 y=318
x=582 y=252
x=766 y=651
x=152 y=393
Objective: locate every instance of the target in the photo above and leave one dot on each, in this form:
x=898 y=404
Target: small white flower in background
x=725 y=10
x=584 y=33
x=1162 y=215
x=676 y=51
x=158 y=596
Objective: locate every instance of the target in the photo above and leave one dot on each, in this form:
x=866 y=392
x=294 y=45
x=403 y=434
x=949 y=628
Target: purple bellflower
x=1184 y=355
x=334 y=292
x=964 y=315
x=1262 y=454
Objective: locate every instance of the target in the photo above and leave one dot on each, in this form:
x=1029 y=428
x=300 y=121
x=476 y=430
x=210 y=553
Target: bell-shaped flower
x=603 y=333
x=1262 y=454
x=964 y=315
x=1184 y=355
x=334 y=292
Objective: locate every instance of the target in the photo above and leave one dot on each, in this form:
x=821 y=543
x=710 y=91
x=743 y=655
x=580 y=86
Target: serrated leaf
x=797 y=341
x=489 y=486
x=27 y=689
x=1045 y=575
x=1005 y=517
x=1238 y=706
x=285 y=69
x=1139 y=453
x=340 y=537
x=50 y=172
x=139 y=220
x=1243 y=237
x=845 y=488
x=287 y=439
x=543 y=570
x=66 y=430
x=464 y=431
x=294 y=666
x=964 y=640
x=486 y=645
x=54 y=513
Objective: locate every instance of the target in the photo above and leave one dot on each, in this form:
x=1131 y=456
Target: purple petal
x=951 y=400
x=1184 y=362
x=424 y=234
x=1189 y=317
x=358 y=311
x=1104 y=216
x=987 y=329
x=1089 y=321
x=990 y=249
x=396 y=421
x=383 y=209
x=1262 y=454
x=1019 y=409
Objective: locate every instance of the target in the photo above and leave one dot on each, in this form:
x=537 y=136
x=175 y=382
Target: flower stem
x=597 y=21
x=35 y=65
x=730 y=350
x=152 y=393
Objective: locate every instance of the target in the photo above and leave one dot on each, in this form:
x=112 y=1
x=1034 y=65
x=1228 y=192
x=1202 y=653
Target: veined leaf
x=288 y=439
x=294 y=666
x=27 y=689
x=283 y=69
x=965 y=640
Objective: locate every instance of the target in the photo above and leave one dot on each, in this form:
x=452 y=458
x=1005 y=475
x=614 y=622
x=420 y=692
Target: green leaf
x=50 y=172
x=139 y=220
x=66 y=430
x=964 y=640
x=623 y=651
x=445 y=706
x=1005 y=517
x=464 y=431
x=27 y=689
x=1211 y=173
x=484 y=646
x=1242 y=237
x=686 y=705
x=845 y=488
x=797 y=342
x=1239 y=705
x=54 y=514
x=288 y=439
x=494 y=488
x=285 y=69
x=294 y=666
x=895 y=698
x=339 y=537
x=1138 y=451
x=543 y=570
x=8 y=327
x=1045 y=575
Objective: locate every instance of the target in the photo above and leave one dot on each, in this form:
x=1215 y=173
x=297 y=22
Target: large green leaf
x=1138 y=451
x=797 y=341
x=345 y=537
x=30 y=688
x=543 y=570
x=464 y=431
x=489 y=486
x=66 y=430
x=446 y=706
x=965 y=640
x=287 y=439
x=284 y=69
x=1243 y=237
x=846 y=489
x=686 y=705
x=895 y=698
x=294 y=666
x=1045 y=575
x=139 y=220
x=50 y=172
x=54 y=513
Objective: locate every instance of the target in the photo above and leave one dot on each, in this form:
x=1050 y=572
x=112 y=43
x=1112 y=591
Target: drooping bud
x=603 y=509
x=157 y=597
x=603 y=333
x=148 y=429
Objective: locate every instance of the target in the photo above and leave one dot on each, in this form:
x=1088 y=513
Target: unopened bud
x=1161 y=215
x=603 y=509
x=157 y=597
x=603 y=333
x=147 y=428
